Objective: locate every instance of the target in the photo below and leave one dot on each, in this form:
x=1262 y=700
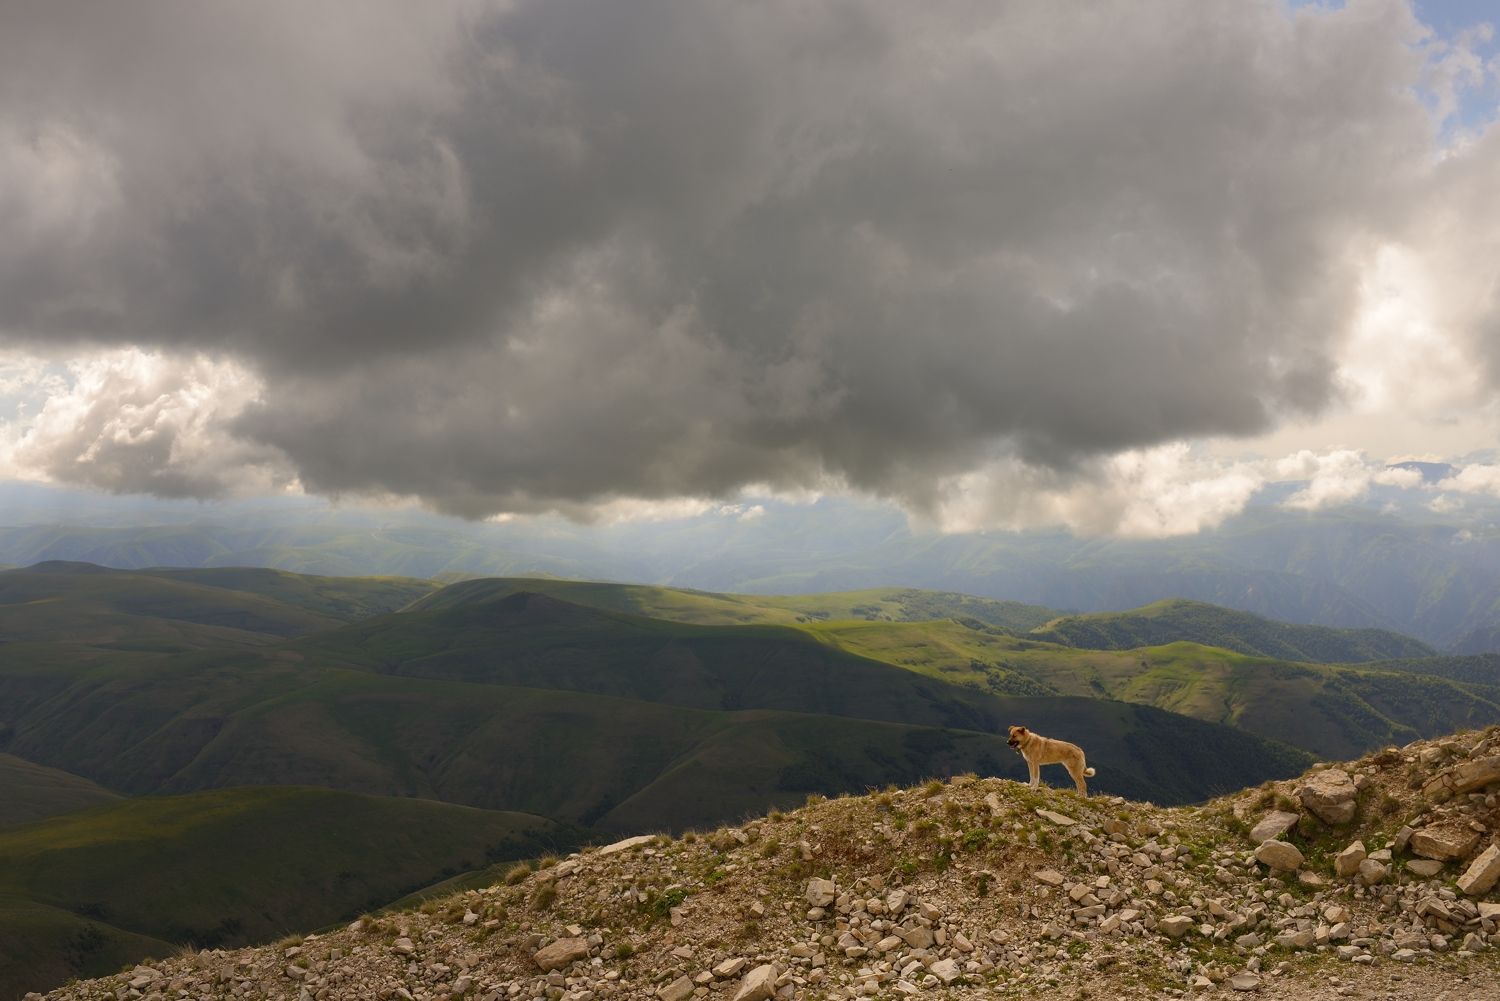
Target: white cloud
x=1147 y=493
x=1474 y=479
x=135 y=421
x=1006 y=265
x=1338 y=477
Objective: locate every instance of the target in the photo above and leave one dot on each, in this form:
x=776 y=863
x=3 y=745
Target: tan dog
x=1039 y=751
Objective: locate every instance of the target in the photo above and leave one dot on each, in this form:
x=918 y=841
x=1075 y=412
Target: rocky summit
x=1372 y=879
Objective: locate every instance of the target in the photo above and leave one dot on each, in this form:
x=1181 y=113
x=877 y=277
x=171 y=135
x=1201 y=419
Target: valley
x=408 y=732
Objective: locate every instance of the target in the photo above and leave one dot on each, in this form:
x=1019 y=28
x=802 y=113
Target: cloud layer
x=980 y=259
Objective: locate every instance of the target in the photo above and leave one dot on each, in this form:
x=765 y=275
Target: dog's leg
x=1077 y=773
x=1036 y=773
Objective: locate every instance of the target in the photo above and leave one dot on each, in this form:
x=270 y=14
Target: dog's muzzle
x=1014 y=743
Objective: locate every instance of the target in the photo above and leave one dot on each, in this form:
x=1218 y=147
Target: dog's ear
x=1021 y=728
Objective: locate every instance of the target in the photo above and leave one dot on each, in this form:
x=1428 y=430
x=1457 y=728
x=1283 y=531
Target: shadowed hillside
x=84 y=893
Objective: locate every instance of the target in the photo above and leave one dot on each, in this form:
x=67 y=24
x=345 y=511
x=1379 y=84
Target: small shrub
x=545 y=896
x=516 y=873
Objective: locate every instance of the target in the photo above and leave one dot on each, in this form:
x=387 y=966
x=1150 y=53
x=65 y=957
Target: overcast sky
x=1112 y=265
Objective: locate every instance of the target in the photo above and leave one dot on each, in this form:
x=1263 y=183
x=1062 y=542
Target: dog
x=1039 y=751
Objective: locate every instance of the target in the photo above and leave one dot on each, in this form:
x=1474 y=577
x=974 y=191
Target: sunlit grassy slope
x=709 y=608
x=1330 y=710
x=1194 y=621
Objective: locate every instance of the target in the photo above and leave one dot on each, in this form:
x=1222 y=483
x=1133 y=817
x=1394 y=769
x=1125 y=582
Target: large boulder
x=1482 y=874
x=1176 y=926
x=1279 y=855
x=758 y=985
x=821 y=892
x=563 y=952
x=1346 y=863
x=1468 y=776
x=1443 y=843
x=1329 y=796
x=678 y=990
x=1273 y=825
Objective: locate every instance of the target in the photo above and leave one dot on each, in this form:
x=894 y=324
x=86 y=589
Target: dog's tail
x=1089 y=772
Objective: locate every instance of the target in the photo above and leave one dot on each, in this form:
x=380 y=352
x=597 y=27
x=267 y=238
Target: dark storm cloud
x=544 y=253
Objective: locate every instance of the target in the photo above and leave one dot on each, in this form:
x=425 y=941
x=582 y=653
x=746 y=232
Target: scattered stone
x=1423 y=868
x=1246 y=981
x=1372 y=872
x=678 y=990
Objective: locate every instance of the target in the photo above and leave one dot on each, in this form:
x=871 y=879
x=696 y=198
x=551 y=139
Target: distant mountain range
x=1391 y=564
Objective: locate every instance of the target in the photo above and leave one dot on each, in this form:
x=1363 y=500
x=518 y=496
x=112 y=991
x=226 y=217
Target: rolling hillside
x=660 y=724
x=1434 y=579
x=30 y=792
x=895 y=604
x=85 y=893
x=164 y=610
x=1328 y=710
x=1177 y=620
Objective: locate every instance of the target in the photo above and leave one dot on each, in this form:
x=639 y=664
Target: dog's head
x=1017 y=734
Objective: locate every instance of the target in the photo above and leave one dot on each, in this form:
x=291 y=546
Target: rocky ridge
x=1372 y=879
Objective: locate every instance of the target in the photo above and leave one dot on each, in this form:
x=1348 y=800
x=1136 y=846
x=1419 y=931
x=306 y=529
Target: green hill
x=1329 y=710
x=897 y=604
x=42 y=947
x=1473 y=669
x=536 y=704
x=1178 y=620
x=83 y=603
x=84 y=893
x=30 y=792
x=345 y=599
x=1485 y=639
